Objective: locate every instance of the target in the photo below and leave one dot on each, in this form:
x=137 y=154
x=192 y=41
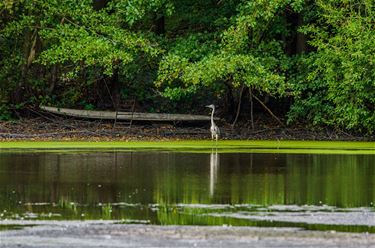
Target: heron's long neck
x=212 y=116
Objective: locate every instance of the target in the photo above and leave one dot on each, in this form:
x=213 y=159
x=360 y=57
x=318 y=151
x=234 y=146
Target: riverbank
x=101 y=233
x=42 y=129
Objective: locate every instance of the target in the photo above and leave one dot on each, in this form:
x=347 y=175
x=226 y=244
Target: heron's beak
x=207 y=106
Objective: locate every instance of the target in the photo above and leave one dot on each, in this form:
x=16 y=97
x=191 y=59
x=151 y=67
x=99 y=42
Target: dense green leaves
x=339 y=84
x=245 y=54
x=316 y=54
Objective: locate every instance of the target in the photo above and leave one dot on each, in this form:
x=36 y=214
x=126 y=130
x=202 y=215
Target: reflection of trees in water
x=85 y=178
x=268 y=179
x=170 y=178
x=337 y=180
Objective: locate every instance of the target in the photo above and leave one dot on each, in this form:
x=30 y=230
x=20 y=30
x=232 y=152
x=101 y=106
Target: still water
x=312 y=191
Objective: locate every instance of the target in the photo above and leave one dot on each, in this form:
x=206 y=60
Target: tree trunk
x=297 y=43
x=31 y=45
x=159 y=24
x=53 y=79
x=251 y=108
x=99 y=4
x=229 y=107
x=268 y=110
x=115 y=88
x=238 y=106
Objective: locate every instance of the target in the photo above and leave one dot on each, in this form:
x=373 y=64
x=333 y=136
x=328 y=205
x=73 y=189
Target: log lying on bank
x=135 y=116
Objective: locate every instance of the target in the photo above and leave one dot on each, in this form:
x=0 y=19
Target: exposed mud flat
x=56 y=128
x=110 y=234
x=322 y=215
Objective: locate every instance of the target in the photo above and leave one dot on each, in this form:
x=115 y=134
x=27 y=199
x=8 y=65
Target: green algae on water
x=205 y=146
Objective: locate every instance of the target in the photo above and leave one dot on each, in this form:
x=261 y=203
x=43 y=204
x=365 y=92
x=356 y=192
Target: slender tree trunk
x=269 y=111
x=31 y=45
x=160 y=25
x=115 y=88
x=229 y=102
x=238 y=106
x=99 y=4
x=298 y=43
x=53 y=79
x=251 y=108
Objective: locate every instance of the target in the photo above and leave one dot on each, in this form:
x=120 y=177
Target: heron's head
x=211 y=106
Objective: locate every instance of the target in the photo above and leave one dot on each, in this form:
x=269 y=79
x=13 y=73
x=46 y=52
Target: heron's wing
x=217 y=130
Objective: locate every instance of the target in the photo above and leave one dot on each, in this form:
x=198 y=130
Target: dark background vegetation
x=309 y=62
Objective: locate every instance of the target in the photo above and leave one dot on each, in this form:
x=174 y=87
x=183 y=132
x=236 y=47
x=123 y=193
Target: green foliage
x=8 y=5
x=337 y=83
x=170 y=54
x=75 y=43
x=242 y=55
x=86 y=38
x=133 y=11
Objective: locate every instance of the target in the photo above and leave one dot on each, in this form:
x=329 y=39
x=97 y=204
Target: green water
x=203 y=146
x=190 y=188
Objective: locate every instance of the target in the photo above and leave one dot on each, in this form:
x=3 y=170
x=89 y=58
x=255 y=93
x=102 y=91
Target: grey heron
x=215 y=131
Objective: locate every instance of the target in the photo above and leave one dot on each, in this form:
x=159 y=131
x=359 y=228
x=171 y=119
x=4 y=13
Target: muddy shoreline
x=44 y=129
x=109 y=234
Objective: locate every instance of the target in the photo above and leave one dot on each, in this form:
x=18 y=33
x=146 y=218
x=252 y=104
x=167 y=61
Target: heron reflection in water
x=214 y=167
